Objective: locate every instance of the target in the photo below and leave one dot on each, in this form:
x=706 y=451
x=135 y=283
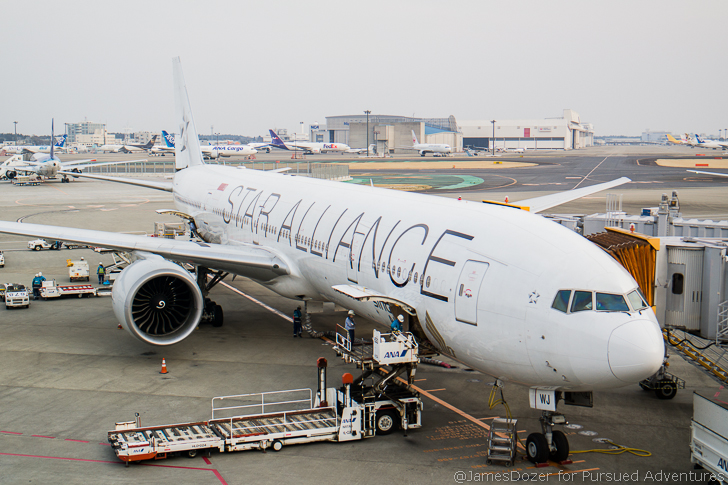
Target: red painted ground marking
x=13 y=432
x=77 y=441
x=702 y=165
x=206 y=460
x=217 y=474
x=41 y=436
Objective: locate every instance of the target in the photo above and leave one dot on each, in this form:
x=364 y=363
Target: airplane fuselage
x=481 y=278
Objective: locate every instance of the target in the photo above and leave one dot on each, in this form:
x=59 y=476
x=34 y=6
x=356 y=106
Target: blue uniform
x=296 y=322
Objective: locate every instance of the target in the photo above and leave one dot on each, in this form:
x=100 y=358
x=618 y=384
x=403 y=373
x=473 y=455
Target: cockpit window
x=561 y=302
x=636 y=300
x=611 y=303
x=582 y=301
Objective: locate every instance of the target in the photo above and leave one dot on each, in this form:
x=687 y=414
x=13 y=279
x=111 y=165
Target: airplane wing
x=245 y=260
x=150 y=184
x=84 y=163
x=538 y=204
x=710 y=173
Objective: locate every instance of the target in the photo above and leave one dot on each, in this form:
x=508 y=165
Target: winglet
x=187 y=149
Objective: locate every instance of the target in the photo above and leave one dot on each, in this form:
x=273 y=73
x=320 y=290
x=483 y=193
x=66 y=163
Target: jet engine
x=157 y=301
x=11 y=174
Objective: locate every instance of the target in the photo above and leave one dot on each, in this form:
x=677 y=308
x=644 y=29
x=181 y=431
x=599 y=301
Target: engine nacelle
x=157 y=301
x=11 y=174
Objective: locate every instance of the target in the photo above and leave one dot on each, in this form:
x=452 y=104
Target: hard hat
x=40 y=274
x=100 y=262
x=400 y=318
x=81 y=258
x=351 y=312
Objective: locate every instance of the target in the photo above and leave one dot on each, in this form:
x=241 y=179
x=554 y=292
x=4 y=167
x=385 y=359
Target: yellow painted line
x=435 y=390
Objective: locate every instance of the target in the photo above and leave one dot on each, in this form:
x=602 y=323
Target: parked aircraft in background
x=21 y=149
x=208 y=151
x=715 y=145
x=361 y=151
x=128 y=147
x=674 y=141
x=307 y=147
x=437 y=149
x=499 y=288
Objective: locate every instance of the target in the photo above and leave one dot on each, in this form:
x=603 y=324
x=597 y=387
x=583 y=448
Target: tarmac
x=67 y=373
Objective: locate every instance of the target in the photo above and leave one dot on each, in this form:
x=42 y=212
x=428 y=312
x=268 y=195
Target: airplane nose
x=636 y=350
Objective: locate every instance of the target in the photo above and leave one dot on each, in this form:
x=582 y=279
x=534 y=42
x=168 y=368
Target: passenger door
x=468 y=289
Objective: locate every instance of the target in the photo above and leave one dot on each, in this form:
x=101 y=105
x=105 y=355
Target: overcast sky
x=624 y=66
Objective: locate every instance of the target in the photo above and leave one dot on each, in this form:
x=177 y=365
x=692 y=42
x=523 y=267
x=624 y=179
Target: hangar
x=563 y=133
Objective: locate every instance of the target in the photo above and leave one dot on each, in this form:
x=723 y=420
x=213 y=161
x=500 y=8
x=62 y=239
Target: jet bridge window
x=611 y=303
x=582 y=301
x=561 y=302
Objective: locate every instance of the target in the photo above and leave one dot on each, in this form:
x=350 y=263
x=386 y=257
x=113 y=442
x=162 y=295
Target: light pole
x=217 y=138
x=367 y=113
x=16 y=133
x=493 y=147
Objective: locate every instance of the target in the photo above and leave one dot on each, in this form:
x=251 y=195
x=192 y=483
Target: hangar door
x=466 y=293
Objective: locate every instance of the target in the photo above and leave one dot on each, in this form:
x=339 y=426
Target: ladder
x=710 y=358
x=502 y=440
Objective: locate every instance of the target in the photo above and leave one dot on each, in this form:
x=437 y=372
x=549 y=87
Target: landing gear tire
x=666 y=389
x=537 y=448
x=561 y=443
x=277 y=445
x=386 y=422
x=217 y=316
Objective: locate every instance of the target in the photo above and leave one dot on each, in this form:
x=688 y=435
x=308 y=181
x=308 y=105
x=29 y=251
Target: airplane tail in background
x=148 y=145
x=697 y=138
x=276 y=141
x=168 y=139
x=61 y=141
x=414 y=138
x=187 y=148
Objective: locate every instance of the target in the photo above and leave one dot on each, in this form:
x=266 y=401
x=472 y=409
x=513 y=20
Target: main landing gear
x=551 y=444
x=212 y=312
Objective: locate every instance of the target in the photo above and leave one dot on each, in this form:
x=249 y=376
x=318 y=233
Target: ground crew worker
x=396 y=325
x=101 y=271
x=350 y=326
x=297 y=322
x=37 y=283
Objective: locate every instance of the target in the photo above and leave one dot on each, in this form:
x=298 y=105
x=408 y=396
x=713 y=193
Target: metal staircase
x=502 y=440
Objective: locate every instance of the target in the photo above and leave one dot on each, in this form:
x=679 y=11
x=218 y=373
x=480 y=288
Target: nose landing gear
x=551 y=444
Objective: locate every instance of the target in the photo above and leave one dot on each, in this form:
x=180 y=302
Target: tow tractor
x=277 y=419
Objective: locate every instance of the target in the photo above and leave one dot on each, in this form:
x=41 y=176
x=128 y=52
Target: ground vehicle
x=77 y=270
x=49 y=289
x=38 y=244
x=259 y=421
x=16 y=295
x=709 y=437
x=2 y=259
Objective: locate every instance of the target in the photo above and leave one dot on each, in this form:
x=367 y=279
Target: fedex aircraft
x=497 y=287
x=308 y=147
x=715 y=145
x=25 y=149
x=49 y=165
x=208 y=151
x=437 y=149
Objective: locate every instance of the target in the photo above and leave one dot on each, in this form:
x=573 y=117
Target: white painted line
x=254 y=300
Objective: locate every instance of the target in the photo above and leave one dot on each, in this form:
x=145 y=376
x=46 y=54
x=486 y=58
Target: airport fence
x=326 y=171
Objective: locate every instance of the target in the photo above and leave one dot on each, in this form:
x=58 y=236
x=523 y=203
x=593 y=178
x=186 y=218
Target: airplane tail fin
x=168 y=139
x=61 y=142
x=414 y=138
x=697 y=138
x=187 y=148
x=671 y=139
x=148 y=145
x=276 y=141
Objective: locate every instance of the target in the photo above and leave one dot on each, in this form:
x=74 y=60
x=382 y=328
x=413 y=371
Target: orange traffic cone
x=164 y=367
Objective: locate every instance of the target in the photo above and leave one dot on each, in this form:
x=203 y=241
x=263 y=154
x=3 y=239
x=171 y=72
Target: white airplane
x=28 y=149
x=49 y=165
x=128 y=147
x=307 y=147
x=208 y=151
x=437 y=149
x=361 y=151
x=501 y=289
x=715 y=145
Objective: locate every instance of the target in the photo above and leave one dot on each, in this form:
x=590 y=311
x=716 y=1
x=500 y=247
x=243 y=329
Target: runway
x=67 y=373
